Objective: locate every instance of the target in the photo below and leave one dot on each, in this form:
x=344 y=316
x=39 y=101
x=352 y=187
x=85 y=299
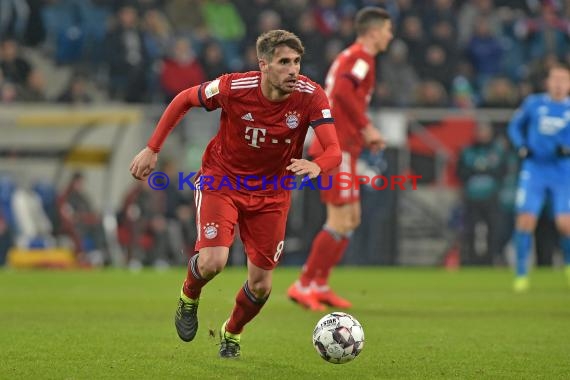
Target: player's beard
x=283 y=88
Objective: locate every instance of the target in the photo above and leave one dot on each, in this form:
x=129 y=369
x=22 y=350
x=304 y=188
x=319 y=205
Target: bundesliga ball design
x=338 y=337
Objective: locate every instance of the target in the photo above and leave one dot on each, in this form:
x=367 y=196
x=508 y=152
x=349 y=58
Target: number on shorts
x=279 y=251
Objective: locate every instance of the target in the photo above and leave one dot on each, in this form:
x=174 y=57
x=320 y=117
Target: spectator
x=7 y=90
x=441 y=10
x=250 y=18
x=128 y=58
x=345 y=31
x=485 y=53
x=538 y=70
x=414 y=37
x=184 y=17
x=462 y=93
x=481 y=168
x=268 y=20
x=548 y=34
x=398 y=74
x=442 y=34
x=157 y=34
x=14 y=67
x=181 y=70
x=250 y=62
x=507 y=195
x=500 y=93
x=431 y=94
x=35 y=88
x=76 y=91
x=225 y=24
x=143 y=228
x=14 y=16
x=314 y=47
x=436 y=67
x=471 y=12
x=327 y=17
x=462 y=90
x=179 y=214
x=82 y=223
x=212 y=60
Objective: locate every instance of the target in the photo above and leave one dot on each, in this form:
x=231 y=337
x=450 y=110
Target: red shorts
x=340 y=196
x=261 y=220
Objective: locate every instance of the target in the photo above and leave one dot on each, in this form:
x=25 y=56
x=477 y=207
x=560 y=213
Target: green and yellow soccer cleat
x=186 y=317
x=521 y=284
x=229 y=344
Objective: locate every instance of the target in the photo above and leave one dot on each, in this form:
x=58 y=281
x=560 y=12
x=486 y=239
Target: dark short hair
x=267 y=42
x=368 y=16
x=561 y=66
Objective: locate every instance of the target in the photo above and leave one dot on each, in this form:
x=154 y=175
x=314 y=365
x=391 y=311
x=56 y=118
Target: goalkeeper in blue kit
x=540 y=131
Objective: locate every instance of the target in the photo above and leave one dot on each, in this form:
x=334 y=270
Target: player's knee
x=349 y=225
x=260 y=289
x=211 y=265
x=526 y=222
x=564 y=227
x=335 y=227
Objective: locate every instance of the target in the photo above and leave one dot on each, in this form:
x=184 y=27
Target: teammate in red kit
x=265 y=117
x=349 y=85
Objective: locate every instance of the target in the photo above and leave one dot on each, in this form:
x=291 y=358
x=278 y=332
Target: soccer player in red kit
x=264 y=120
x=349 y=85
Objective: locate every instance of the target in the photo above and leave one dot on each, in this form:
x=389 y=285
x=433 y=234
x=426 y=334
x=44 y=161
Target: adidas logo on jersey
x=247 y=117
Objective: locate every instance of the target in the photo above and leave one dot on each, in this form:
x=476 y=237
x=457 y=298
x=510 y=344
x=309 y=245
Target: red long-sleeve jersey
x=349 y=85
x=257 y=137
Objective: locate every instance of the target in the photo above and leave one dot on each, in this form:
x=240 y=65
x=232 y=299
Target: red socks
x=247 y=304
x=194 y=282
x=326 y=251
x=246 y=308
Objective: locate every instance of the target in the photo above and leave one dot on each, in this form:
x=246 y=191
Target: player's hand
x=143 y=164
x=373 y=139
x=524 y=152
x=302 y=166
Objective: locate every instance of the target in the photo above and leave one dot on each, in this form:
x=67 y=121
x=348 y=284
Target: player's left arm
x=563 y=148
x=329 y=159
x=323 y=124
x=332 y=155
x=345 y=96
x=517 y=128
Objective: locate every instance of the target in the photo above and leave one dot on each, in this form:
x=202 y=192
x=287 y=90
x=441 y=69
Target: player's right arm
x=517 y=129
x=198 y=96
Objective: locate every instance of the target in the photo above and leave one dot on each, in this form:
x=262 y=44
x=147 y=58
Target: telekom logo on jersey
x=340 y=181
x=256 y=135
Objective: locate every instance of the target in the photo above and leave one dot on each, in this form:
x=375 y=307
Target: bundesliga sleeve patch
x=326 y=113
x=360 y=68
x=213 y=88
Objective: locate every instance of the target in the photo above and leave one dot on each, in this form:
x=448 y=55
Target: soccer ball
x=338 y=337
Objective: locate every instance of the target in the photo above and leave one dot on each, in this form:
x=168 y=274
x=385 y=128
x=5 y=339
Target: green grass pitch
x=419 y=324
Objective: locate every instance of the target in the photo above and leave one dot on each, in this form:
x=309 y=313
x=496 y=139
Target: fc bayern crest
x=211 y=230
x=292 y=119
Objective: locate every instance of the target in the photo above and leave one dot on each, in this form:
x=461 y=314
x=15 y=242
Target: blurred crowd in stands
x=459 y=53
x=151 y=228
